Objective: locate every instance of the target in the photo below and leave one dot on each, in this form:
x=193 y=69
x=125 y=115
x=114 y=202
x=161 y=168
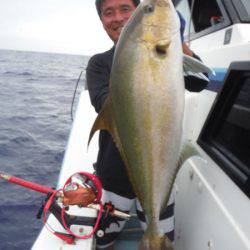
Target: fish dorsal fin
x=105 y=121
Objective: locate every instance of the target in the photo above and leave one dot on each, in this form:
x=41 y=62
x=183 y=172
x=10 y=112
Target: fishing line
x=73 y=99
x=46 y=208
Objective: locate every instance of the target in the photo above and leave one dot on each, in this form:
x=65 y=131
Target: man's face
x=114 y=15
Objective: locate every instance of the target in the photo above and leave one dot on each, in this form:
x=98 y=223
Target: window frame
x=226 y=22
x=226 y=160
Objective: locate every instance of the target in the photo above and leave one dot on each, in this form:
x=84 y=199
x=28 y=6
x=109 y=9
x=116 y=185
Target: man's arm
x=97 y=76
x=192 y=83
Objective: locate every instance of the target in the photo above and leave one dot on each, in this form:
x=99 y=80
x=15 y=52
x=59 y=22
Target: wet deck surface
x=131 y=235
x=126 y=245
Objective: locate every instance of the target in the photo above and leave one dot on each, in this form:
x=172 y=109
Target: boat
x=213 y=189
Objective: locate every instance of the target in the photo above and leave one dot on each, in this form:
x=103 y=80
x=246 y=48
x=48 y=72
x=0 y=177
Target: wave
x=25 y=74
x=20 y=118
x=52 y=156
x=9 y=73
x=13 y=73
x=4 y=151
x=59 y=156
x=21 y=140
x=14 y=207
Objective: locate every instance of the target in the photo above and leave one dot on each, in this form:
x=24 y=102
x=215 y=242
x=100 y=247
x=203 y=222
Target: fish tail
x=155 y=242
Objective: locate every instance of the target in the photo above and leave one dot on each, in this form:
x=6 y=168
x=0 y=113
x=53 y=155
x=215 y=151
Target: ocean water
x=36 y=91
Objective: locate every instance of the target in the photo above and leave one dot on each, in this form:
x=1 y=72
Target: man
x=109 y=167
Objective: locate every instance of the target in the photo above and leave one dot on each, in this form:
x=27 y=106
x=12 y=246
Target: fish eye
x=149 y=9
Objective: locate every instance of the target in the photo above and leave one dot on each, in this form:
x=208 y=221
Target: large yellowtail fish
x=144 y=110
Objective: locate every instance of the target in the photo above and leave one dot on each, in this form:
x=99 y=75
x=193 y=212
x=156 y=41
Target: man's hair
x=98 y=4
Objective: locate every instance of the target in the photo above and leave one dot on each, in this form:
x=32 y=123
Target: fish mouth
x=161 y=47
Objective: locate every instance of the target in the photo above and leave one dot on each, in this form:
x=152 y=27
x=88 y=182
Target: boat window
x=243 y=9
x=226 y=134
x=206 y=13
x=207 y=16
x=246 y=4
x=233 y=135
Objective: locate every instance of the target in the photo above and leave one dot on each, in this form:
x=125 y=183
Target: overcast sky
x=63 y=26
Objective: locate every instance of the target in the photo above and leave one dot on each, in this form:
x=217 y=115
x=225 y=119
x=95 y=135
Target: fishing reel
x=84 y=180
x=55 y=204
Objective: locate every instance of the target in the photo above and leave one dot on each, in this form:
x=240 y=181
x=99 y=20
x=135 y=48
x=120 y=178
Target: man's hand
x=81 y=197
x=186 y=50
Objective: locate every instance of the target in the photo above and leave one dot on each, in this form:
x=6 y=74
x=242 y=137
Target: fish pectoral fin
x=197 y=75
x=191 y=64
x=105 y=121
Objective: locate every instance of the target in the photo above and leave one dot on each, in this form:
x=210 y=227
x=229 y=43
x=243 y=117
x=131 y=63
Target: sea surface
x=36 y=91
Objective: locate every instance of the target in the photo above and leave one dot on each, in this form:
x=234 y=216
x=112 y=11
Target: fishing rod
x=56 y=199
x=27 y=184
